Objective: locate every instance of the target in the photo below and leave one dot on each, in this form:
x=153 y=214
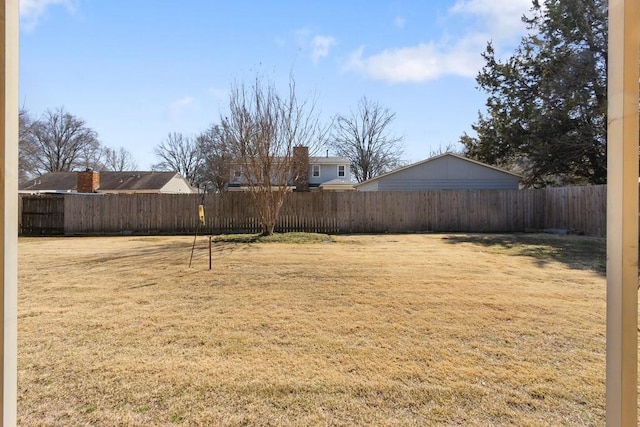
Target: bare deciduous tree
x=26 y=168
x=263 y=128
x=216 y=156
x=363 y=137
x=180 y=153
x=444 y=149
x=119 y=160
x=92 y=157
x=58 y=141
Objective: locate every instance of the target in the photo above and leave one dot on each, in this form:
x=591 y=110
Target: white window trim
x=313 y=171
x=344 y=171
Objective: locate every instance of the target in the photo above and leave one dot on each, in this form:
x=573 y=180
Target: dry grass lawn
x=386 y=330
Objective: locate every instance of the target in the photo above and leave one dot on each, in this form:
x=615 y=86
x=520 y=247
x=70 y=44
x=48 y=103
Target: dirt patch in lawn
x=353 y=330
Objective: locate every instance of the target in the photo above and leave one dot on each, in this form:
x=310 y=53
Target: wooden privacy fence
x=577 y=209
x=42 y=215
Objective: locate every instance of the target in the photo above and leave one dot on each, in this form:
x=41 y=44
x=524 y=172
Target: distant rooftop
x=331 y=160
x=109 y=181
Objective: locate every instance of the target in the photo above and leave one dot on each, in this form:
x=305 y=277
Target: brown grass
x=390 y=330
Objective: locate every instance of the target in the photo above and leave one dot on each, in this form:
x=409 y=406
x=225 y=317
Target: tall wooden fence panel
x=580 y=210
x=130 y=213
x=42 y=215
x=576 y=209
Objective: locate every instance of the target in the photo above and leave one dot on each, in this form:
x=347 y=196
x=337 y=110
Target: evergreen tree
x=546 y=110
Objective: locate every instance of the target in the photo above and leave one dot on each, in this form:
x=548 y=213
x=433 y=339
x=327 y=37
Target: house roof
x=337 y=184
x=457 y=156
x=328 y=160
x=109 y=181
x=337 y=181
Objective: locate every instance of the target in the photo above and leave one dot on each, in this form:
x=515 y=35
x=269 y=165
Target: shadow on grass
x=163 y=252
x=220 y=244
x=274 y=238
x=577 y=252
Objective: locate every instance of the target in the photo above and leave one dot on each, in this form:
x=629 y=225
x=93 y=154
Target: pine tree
x=546 y=109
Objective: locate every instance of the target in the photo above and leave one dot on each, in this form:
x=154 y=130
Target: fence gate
x=42 y=215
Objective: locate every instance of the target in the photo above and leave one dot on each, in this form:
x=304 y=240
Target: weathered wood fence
x=577 y=209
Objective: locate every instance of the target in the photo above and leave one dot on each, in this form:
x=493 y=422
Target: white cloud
x=316 y=45
x=302 y=36
x=32 y=10
x=320 y=47
x=219 y=94
x=416 y=63
x=502 y=17
x=498 y=21
x=399 y=22
x=180 y=106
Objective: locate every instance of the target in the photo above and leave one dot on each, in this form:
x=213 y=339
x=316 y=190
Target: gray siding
x=444 y=173
x=328 y=171
x=369 y=186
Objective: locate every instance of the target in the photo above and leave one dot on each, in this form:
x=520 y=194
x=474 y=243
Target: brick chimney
x=300 y=168
x=88 y=181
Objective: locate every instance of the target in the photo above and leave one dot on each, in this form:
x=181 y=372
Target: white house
x=329 y=174
x=324 y=174
x=444 y=172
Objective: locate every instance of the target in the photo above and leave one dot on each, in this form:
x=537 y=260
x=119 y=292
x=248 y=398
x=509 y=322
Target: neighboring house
x=444 y=172
x=329 y=174
x=324 y=174
x=108 y=182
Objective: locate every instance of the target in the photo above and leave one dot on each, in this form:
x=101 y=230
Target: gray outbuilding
x=444 y=172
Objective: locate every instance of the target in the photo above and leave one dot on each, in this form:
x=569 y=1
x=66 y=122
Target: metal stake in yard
x=201 y=222
x=209 y=252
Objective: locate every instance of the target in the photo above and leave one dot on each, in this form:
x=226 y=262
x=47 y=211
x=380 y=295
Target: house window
x=237 y=172
x=315 y=170
x=341 y=170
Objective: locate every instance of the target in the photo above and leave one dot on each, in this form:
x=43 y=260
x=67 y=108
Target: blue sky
x=136 y=70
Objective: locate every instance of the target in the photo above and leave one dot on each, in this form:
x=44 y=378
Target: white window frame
x=344 y=171
x=313 y=171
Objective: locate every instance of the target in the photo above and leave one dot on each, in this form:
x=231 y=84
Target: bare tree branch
x=217 y=158
x=363 y=137
x=119 y=160
x=443 y=149
x=58 y=141
x=180 y=154
x=26 y=167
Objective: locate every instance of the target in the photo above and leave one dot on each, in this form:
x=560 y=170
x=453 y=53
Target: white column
x=9 y=199
x=622 y=214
